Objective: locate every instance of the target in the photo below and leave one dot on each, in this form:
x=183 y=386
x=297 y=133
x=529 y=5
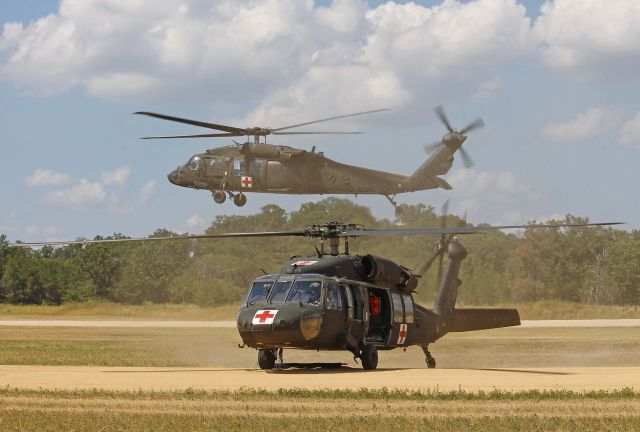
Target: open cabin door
x=380 y=316
x=356 y=314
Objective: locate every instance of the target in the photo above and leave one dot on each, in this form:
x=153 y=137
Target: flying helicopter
x=255 y=166
x=362 y=303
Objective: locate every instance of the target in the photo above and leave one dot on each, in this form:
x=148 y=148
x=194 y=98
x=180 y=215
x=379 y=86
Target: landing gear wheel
x=369 y=357
x=240 y=200
x=431 y=363
x=266 y=359
x=219 y=197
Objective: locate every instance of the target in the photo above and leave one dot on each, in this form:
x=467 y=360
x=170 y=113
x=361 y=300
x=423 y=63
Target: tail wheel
x=369 y=357
x=266 y=359
x=240 y=200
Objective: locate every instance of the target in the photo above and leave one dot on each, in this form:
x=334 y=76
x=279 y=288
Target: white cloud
x=280 y=55
x=42 y=177
x=474 y=182
x=630 y=132
x=31 y=232
x=77 y=197
x=584 y=125
x=591 y=39
x=496 y=197
x=147 y=191
x=489 y=87
x=195 y=221
x=118 y=177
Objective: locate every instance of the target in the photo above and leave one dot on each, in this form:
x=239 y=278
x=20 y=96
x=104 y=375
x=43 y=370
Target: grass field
x=289 y=410
x=106 y=310
x=217 y=347
x=360 y=410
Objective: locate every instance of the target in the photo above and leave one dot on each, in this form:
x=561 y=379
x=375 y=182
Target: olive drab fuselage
x=346 y=316
x=359 y=303
x=276 y=169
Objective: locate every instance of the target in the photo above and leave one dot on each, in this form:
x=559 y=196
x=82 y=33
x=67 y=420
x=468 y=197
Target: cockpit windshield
x=305 y=292
x=259 y=291
x=193 y=164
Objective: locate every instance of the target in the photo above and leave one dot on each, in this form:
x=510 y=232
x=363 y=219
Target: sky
x=556 y=83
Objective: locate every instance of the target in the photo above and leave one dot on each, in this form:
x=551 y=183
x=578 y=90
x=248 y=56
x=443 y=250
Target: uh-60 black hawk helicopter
x=260 y=167
x=335 y=300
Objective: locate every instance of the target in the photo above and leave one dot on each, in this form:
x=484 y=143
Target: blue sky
x=557 y=88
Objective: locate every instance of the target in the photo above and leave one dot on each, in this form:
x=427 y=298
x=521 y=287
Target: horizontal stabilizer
x=442 y=183
x=461 y=320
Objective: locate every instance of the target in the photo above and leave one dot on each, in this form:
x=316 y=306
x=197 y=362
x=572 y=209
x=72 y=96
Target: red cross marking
x=246 y=182
x=402 y=334
x=264 y=316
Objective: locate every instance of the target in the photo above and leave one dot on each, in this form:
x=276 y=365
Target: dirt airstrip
x=163 y=379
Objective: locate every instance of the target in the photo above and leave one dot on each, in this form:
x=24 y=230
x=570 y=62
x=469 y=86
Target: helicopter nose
x=173 y=177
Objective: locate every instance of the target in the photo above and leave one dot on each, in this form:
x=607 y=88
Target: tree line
x=599 y=265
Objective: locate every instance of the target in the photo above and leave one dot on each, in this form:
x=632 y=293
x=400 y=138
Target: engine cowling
x=260 y=150
x=385 y=272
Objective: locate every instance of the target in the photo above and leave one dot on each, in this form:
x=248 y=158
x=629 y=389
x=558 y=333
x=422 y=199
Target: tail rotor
x=454 y=138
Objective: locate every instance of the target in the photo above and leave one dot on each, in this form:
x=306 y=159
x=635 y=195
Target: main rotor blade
x=316 y=133
x=444 y=211
x=194 y=122
x=190 y=237
x=430 y=148
x=461 y=230
x=477 y=123
x=424 y=267
x=466 y=159
x=331 y=118
x=228 y=134
x=443 y=117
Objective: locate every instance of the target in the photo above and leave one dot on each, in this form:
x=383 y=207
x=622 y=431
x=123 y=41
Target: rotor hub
x=453 y=140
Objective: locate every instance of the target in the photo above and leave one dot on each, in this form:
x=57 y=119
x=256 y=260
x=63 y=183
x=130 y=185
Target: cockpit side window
x=259 y=291
x=334 y=298
x=305 y=292
x=193 y=164
x=279 y=293
x=216 y=166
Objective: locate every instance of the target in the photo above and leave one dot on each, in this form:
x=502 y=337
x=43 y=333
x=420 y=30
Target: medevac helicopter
x=334 y=300
x=260 y=167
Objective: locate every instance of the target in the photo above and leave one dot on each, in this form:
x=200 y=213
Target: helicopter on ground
x=334 y=300
x=257 y=166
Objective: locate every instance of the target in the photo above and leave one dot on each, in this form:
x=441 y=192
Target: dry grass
x=306 y=410
x=107 y=310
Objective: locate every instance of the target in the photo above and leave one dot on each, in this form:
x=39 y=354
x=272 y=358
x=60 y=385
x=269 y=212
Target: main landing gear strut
x=394 y=203
x=239 y=199
x=431 y=361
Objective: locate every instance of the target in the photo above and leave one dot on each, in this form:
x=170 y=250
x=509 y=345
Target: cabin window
x=305 y=292
x=255 y=168
x=259 y=291
x=408 y=308
x=334 y=298
x=397 y=307
x=279 y=293
x=238 y=166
